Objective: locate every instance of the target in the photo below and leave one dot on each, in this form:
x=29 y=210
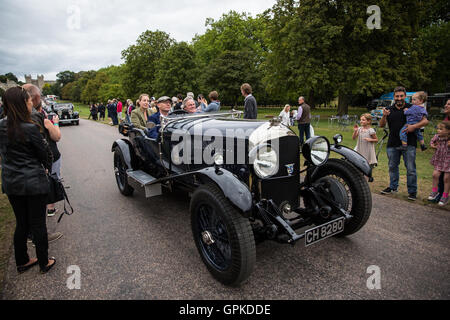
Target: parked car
x=436 y=103
x=66 y=113
x=245 y=185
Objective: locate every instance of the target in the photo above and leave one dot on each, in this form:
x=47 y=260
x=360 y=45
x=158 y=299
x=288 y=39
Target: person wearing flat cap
x=164 y=104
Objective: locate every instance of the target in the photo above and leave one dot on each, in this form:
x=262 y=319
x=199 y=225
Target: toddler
x=367 y=138
x=441 y=161
x=414 y=115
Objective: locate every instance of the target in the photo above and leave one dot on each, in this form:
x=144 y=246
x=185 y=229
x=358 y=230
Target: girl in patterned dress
x=367 y=138
x=441 y=161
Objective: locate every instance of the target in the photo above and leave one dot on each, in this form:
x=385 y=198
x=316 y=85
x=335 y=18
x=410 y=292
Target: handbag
x=58 y=193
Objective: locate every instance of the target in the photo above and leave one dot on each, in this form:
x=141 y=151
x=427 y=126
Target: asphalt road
x=133 y=248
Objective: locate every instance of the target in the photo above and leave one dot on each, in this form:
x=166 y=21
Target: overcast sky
x=48 y=36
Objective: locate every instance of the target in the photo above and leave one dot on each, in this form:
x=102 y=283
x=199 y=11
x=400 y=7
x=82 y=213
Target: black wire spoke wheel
x=223 y=237
x=216 y=244
x=357 y=189
x=342 y=181
x=120 y=170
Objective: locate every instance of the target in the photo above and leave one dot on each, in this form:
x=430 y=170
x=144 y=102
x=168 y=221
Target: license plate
x=324 y=231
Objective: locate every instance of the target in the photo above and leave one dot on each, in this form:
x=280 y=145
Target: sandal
x=22 y=269
x=47 y=268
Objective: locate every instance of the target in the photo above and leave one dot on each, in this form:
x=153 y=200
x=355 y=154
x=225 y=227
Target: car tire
x=231 y=258
x=360 y=197
x=120 y=170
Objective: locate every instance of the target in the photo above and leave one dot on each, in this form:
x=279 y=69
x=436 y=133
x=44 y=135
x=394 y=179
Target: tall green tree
x=90 y=91
x=234 y=36
x=176 y=71
x=141 y=60
x=47 y=89
x=228 y=71
x=8 y=76
x=65 y=77
x=66 y=91
x=82 y=79
x=109 y=91
x=322 y=46
x=114 y=73
x=435 y=41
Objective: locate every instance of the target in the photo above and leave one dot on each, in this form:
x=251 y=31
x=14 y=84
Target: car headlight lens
x=265 y=161
x=316 y=150
x=59 y=113
x=218 y=159
x=338 y=139
x=71 y=112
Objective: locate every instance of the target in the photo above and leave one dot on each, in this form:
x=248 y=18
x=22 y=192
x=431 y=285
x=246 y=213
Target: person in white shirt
x=285 y=115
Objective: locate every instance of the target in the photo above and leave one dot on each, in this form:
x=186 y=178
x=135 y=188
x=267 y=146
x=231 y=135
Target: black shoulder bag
x=58 y=193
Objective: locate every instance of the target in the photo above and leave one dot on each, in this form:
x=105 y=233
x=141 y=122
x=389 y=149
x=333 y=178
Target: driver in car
x=164 y=104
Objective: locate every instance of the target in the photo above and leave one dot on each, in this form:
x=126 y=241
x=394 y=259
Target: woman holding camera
x=25 y=160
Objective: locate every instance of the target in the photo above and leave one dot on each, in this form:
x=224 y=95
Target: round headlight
x=265 y=161
x=70 y=111
x=338 y=139
x=59 y=113
x=316 y=150
x=218 y=159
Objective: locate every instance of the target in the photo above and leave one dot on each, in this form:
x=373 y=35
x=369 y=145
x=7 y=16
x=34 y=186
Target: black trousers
x=31 y=214
x=304 y=129
x=114 y=119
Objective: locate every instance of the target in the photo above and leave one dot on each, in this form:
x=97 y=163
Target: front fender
x=354 y=158
x=234 y=189
x=125 y=147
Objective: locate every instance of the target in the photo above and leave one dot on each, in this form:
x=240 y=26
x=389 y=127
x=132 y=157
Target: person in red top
x=119 y=110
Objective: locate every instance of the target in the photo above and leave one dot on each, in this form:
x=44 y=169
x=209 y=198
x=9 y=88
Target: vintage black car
x=66 y=113
x=244 y=179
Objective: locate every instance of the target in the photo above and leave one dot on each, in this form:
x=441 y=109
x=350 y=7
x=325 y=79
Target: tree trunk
x=311 y=99
x=343 y=103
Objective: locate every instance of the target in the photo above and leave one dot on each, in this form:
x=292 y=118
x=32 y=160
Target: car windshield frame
x=63 y=106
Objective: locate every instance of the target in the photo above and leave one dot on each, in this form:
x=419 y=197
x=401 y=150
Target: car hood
x=256 y=131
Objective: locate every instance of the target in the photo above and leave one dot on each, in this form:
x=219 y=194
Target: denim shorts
x=56 y=168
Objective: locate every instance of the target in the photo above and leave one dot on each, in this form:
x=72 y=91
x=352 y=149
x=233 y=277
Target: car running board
x=140 y=179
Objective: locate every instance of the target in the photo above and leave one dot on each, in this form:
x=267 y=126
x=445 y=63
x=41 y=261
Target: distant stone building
x=39 y=82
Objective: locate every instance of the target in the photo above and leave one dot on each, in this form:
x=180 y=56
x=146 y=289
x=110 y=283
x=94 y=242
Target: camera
x=50 y=117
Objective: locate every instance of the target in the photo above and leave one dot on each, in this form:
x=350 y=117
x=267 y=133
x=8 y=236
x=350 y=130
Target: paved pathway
x=133 y=248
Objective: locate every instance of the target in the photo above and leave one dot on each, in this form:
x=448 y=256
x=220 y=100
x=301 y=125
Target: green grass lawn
x=380 y=173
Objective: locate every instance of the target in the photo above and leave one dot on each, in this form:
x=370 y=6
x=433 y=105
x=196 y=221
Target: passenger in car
x=140 y=116
x=189 y=105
